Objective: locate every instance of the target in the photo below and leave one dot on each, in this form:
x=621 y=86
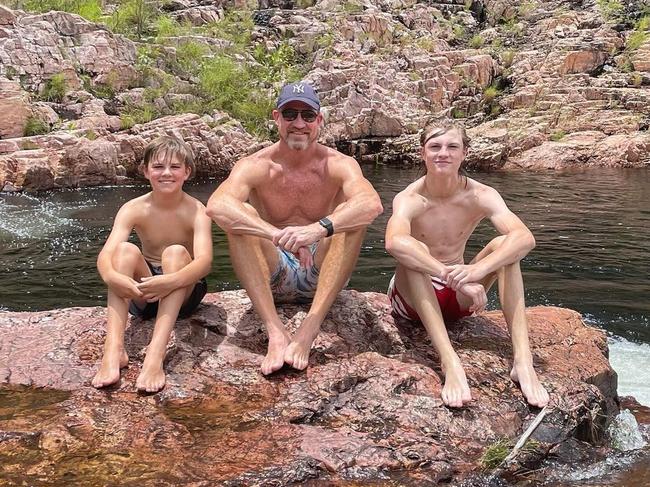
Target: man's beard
x=301 y=143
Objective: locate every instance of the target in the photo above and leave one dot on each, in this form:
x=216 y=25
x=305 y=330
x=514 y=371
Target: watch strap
x=326 y=223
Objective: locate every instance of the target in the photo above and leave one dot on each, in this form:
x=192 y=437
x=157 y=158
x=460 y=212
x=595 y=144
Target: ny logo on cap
x=299 y=88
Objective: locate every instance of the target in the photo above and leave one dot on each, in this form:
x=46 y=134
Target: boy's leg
x=416 y=288
x=127 y=260
x=335 y=258
x=511 y=296
x=253 y=260
x=152 y=376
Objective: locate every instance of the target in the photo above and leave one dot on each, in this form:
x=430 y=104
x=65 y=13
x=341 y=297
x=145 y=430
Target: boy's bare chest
x=162 y=229
x=445 y=225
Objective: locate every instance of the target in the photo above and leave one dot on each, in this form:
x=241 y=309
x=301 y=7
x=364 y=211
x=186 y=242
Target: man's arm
x=518 y=242
x=157 y=287
x=360 y=207
x=226 y=206
x=124 y=286
x=406 y=249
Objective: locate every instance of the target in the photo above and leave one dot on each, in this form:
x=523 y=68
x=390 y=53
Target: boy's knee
x=496 y=242
x=126 y=250
x=175 y=255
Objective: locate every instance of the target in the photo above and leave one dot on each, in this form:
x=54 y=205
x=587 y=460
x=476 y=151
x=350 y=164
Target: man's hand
x=292 y=238
x=475 y=291
x=154 y=288
x=123 y=286
x=305 y=257
x=460 y=274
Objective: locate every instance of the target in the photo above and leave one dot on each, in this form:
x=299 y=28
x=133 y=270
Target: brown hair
x=169 y=147
x=437 y=129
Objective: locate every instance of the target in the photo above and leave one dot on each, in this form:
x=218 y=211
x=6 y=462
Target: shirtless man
x=295 y=214
x=431 y=222
x=164 y=279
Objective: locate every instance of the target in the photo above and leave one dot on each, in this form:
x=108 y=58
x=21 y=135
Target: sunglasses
x=307 y=115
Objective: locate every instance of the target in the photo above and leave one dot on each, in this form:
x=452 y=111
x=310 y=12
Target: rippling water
x=591 y=228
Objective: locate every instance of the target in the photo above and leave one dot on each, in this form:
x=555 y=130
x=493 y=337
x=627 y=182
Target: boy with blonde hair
x=166 y=278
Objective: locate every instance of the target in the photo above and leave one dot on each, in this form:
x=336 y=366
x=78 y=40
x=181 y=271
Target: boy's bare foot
x=274 y=359
x=455 y=392
x=151 y=379
x=534 y=392
x=297 y=353
x=109 y=371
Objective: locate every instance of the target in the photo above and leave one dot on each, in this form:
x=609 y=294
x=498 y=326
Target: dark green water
x=591 y=229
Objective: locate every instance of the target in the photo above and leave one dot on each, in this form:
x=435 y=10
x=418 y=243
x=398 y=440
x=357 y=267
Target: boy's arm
x=360 y=207
x=518 y=242
x=226 y=206
x=157 y=287
x=124 y=286
x=409 y=251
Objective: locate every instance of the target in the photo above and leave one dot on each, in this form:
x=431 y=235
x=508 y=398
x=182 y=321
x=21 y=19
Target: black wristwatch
x=326 y=223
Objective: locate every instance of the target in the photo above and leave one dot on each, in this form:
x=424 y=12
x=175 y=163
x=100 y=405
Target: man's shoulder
x=336 y=157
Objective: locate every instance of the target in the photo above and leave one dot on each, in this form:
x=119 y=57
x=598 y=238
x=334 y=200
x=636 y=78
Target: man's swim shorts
x=291 y=283
x=151 y=309
x=449 y=306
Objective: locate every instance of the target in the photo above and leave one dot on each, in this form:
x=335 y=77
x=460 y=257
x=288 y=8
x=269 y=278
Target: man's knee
x=174 y=257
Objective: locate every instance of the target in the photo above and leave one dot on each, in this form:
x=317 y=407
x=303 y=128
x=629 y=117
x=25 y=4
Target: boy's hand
x=477 y=293
x=124 y=286
x=462 y=274
x=154 y=288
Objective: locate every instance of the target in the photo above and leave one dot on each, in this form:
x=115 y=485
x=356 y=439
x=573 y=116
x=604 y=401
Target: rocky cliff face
x=367 y=409
x=541 y=84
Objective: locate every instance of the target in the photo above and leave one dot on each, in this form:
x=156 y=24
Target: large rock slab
x=367 y=409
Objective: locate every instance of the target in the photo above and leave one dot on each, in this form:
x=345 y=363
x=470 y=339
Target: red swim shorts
x=449 y=306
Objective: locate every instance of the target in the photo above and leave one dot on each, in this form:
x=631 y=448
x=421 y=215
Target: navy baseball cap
x=300 y=91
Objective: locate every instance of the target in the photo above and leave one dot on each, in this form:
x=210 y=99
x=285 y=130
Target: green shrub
x=189 y=56
x=639 y=35
x=88 y=9
x=35 y=126
x=611 y=10
x=55 y=88
x=135 y=18
x=490 y=93
x=558 y=135
x=165 y=26
x=476 y=42
x=135 y=114
x=236 y=27
x=458 y=113
x=495 y=454
x=507 y=57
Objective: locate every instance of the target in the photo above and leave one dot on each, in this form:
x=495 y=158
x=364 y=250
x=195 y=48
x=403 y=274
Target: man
x=431 y=222
x=295 y=214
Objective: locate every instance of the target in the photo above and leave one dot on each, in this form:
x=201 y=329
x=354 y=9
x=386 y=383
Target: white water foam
x=631 y=361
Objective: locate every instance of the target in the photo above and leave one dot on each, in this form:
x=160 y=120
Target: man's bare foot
x=455 y=392
x=151 y=379
x=274 y=359
x=534 y=392
x=297 y=353
x=109 y=371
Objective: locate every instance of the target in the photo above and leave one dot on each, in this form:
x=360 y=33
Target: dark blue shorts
x=151 y=309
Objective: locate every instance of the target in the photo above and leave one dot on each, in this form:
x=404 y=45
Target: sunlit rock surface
x=367 y=408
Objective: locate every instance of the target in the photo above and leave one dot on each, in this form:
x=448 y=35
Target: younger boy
x=165 y=278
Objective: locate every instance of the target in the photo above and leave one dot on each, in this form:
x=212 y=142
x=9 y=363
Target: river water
x=592 y=249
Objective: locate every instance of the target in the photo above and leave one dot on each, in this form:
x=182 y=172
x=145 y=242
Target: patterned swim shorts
x=291 y=283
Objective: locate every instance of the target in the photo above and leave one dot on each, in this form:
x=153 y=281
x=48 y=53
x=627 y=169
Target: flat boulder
x=368 y=408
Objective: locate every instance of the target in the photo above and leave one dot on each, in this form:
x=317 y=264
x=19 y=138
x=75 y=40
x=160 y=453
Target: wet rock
x=367 y=409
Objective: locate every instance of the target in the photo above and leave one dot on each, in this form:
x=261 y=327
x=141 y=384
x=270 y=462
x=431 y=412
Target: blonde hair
x=169 y=147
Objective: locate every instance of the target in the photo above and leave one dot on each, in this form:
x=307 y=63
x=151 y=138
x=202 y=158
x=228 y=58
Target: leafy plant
x=55 y=88
x=490 y=93
x=495 y=454
x=557 y=135
x=640 y=34
x=612 y=10
x=88 y=9
x=507 y=57
x=35 y=126
x=476 y=41
x=135 y=18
